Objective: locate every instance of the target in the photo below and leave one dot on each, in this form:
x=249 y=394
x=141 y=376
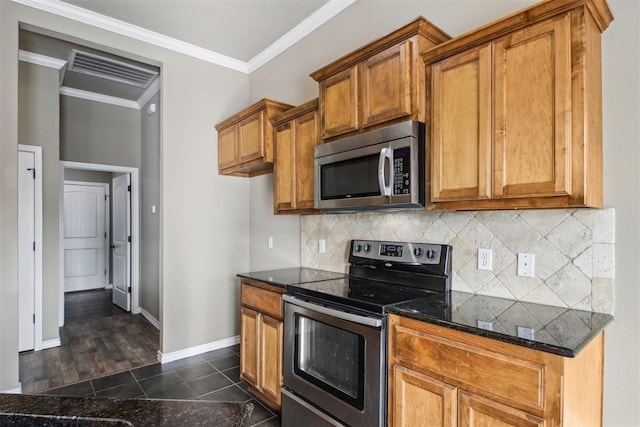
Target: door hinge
x=34 y=318
x=128 y=188
x=105 y=197
x=129 y=239
x=34 y=246
x=129 y=289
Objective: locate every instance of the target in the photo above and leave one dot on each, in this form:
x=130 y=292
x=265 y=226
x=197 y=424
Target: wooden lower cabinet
x=261 y=341
x=442 y=377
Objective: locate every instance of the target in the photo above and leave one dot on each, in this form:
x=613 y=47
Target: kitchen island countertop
x=22 y=410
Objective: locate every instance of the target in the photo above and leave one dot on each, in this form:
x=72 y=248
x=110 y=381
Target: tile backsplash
x=574 y=249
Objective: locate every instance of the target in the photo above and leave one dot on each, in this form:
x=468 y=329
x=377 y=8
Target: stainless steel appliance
x=381 y=169
x=335 y=331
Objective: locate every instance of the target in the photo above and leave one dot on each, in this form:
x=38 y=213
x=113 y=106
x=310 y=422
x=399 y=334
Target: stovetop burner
x=382 y=274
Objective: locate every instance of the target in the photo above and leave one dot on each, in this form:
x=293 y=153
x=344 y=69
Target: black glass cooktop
x=366 y=295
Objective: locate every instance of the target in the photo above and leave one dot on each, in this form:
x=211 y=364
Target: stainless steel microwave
x=381 y=169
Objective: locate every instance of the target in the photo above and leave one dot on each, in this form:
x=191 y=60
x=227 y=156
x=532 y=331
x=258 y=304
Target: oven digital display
x=391 y=250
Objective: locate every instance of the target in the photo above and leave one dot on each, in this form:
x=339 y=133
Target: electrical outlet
x=482 y=324
x=322 y=247
x=524 y=332
x=525 y=264
x=485 y=259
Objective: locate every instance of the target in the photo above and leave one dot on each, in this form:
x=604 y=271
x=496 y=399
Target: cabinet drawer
x=505 y=377
x=262 y=300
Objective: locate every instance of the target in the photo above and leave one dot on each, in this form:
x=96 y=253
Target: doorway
x=127 y=262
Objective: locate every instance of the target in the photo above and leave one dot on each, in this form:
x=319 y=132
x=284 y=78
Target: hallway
x=98 y=339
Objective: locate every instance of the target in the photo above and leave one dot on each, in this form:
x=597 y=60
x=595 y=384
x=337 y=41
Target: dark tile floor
x=211 y=376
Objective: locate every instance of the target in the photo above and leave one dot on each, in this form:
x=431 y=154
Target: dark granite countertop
x=556 y=330
x=94 y=411
x=291 y=276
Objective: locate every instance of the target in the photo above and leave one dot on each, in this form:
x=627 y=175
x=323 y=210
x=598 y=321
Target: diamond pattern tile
x=574 y=249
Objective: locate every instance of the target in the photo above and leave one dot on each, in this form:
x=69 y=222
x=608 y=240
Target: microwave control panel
x=402 y=171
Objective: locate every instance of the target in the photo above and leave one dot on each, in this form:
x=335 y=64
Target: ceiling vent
x=99 y=66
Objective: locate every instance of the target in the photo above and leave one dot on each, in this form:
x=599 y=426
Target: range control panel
x=410 y=253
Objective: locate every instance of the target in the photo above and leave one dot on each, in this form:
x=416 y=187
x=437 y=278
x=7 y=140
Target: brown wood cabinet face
x=296 y=134
x=306 y=140
x=386 y=85
x=249 y=355
x=339 y=103
x=251 y=138
x=461 y=127
x=476 y=411
x=284 y=168
x=533 y=111
x=418 y=399
x=228 y=147
x=261 y=341
x=271 y=359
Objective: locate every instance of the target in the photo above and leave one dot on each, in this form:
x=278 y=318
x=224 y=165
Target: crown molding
x=85 y=16
x=38 y=59
x=297 y=33
x=97 y=97
x=308 y=25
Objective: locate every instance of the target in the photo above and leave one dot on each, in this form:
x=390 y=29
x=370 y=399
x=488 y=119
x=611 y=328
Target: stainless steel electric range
x=335 y=331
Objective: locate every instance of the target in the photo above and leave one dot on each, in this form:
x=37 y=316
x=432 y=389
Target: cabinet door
x=306 y=138
x=416 y=399
x=228 y=147
x=251 y=138
x=249 y=330
x=284 y=168
x=271 y=359
x=477 y=411
x=386 y=85
x=461 y=127
x=339 y=103
x=533 y=111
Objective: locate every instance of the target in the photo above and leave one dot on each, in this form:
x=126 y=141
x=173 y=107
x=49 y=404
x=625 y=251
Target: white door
x=121 y=248
x=84 y=237
x=26 y=250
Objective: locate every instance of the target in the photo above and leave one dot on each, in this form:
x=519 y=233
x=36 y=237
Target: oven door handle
x=350 y=317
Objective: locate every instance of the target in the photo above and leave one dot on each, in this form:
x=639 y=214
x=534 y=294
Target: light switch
x=322 y=248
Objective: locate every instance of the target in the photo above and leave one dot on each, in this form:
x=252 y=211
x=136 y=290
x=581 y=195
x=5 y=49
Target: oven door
x=334 y=360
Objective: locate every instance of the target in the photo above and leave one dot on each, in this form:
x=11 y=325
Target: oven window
x=356 y=177
x=331 y=358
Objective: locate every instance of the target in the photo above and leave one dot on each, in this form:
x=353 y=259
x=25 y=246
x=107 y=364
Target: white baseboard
x=51 y=343
x=199 y=349
x=150 y=318
x=14 y=391
x=109 y=286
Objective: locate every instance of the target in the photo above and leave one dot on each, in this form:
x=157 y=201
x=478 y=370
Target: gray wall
x=286 y=79
x=87 y=176
x=38 y=124
x=205 y=217
x=150 y=222
x=94 y=132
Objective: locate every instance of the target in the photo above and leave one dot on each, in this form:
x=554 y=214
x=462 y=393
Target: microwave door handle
x=385 y=153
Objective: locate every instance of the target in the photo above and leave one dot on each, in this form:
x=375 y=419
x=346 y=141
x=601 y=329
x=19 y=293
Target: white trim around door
x=38 y=242
x=135 y=227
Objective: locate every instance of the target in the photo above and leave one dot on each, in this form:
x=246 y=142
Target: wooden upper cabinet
x=380 y=83
x=296 y=133
x=532 y=105
x=386 y=85
x=461 y=143
x=516 y=111
x=340 y=95
x=245 y=140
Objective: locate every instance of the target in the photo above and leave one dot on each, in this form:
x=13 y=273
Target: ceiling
x=240 y=29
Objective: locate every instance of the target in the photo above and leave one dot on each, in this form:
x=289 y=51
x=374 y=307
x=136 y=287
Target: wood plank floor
x=92 y=346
